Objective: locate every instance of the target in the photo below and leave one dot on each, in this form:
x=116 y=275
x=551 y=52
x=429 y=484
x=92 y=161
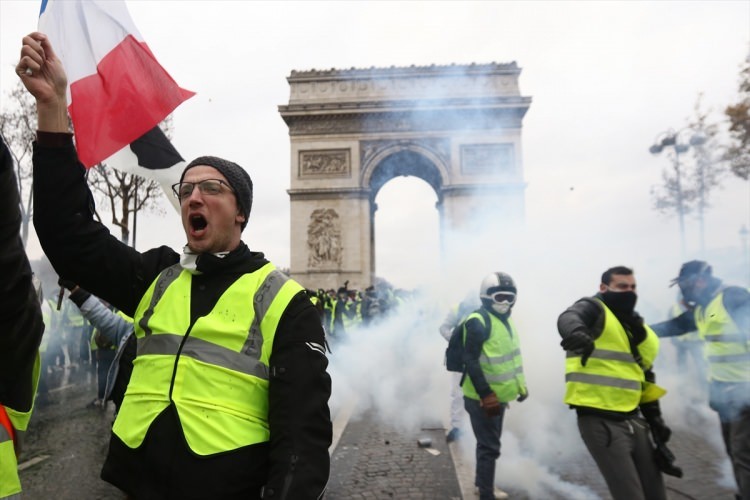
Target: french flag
x=117 y=90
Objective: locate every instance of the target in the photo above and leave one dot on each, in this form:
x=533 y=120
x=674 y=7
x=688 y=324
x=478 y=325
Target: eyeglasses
x=509 y=297
x=183 y=190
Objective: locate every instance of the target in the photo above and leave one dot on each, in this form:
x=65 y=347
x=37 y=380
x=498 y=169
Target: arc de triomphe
x=457 y=127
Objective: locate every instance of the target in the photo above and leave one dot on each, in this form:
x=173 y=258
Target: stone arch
x=457 y=127
x=404 y=159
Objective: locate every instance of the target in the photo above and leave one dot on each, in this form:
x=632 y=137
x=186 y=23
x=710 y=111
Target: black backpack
x=454 y=353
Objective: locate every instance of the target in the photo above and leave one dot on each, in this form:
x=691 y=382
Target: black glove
x=522 y=397
x=659 y=430
x=665 y=459
x=580 y=343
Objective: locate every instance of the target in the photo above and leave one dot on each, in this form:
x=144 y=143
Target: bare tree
x=687 y=185
x=708 y=166
x=738 y=153
x=18 y=128
x=127 y=194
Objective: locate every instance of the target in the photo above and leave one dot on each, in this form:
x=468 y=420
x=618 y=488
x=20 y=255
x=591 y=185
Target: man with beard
x=721 y=314
x=610 y=384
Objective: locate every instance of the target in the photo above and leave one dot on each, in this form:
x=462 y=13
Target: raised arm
x=80 y=248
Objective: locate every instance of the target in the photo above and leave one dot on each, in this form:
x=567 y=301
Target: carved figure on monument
x=324 y=239
x=334 y=162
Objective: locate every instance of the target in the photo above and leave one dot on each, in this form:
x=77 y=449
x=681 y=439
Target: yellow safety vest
x=727 y=349
x=124 y=316
x=216 y=370
x=500 y=361
x=612 y=378
x=346 y=321
x=10 y=483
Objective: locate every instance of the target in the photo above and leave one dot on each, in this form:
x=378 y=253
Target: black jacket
x=587 y=316
x=295 y=463
x=21 y=325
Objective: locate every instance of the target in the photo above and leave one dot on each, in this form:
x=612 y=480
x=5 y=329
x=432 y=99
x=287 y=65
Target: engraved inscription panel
x=325 y=163
x=495 y=159
x=324 y=239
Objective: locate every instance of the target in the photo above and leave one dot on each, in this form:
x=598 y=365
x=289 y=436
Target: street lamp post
x=671 y=138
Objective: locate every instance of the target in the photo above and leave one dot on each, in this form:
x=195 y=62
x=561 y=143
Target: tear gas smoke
x=395 y=368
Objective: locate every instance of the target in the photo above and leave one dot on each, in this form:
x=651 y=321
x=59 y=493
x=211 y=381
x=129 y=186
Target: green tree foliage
x=738 y=152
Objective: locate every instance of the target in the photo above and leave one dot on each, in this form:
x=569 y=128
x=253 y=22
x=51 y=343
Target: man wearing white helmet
x=494 y=367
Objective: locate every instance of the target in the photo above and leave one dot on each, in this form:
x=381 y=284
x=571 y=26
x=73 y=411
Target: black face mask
x=620 y=302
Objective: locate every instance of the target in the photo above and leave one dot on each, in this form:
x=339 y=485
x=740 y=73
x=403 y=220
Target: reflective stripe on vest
x=500 y=360
x=727 y=349
x=215 y=370
x=612 y=378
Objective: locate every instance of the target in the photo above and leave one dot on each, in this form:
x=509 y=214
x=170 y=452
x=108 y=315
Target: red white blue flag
x=117 y=90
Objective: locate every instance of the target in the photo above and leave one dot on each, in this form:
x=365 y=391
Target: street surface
x=67 y=443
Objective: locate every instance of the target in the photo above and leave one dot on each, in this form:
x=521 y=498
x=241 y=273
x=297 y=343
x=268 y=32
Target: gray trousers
x=625 y=457
x=487 y=431
x=736 y=433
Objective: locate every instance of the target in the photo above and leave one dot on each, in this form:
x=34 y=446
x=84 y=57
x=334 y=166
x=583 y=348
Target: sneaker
x=499 y=494
x=453 y=435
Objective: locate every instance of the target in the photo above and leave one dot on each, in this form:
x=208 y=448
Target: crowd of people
x=609 y=375
x=345 y=310
x=223 y=383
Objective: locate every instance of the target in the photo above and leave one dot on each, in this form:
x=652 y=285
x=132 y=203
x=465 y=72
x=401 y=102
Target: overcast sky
x=605 y=77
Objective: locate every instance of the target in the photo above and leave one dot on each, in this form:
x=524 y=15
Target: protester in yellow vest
x=342 y=315
x=492 y=355
x=721 y=314
x=611 y=385
x=21 y=329
x=229 y=392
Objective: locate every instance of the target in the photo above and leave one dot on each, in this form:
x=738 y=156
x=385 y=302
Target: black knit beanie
x=236 y=176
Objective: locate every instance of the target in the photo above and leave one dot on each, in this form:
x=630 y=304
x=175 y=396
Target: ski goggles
x=499 y=297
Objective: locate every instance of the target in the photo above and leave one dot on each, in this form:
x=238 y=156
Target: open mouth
x=198 y=222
